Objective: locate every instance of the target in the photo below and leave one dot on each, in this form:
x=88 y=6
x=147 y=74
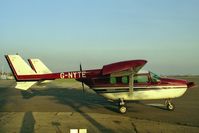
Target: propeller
x=81 y=77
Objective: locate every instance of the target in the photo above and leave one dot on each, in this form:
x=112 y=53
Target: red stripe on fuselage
x=35 y=77
x=62 y=75
x=169 y=86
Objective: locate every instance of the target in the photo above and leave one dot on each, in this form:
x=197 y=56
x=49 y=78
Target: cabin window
x=113 y=80
x=125 y=80
x=141 y=79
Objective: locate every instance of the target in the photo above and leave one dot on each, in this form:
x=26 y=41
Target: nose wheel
x=170 y=106
x=122 y=109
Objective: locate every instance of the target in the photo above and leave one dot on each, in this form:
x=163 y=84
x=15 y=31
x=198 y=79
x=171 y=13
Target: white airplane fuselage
x=148 y=93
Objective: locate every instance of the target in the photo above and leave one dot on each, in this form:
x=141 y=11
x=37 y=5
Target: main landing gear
x=122 y=106
x=170 y=106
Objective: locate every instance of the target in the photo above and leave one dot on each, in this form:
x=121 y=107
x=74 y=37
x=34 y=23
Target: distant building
x=9 y=77
x=6 y=76
x=3 y=76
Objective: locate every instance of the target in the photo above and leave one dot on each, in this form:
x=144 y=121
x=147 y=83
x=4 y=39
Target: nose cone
x=178 y=82
x=190 y=84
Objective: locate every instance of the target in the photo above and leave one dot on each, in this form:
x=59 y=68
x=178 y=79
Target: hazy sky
x=96 y=32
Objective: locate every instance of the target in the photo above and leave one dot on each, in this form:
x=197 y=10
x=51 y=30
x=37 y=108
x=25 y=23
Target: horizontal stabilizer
x=25 y=85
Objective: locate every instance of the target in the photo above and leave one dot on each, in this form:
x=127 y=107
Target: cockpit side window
x=154 y=77
x=141 y=79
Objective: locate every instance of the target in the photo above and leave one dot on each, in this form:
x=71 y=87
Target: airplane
x=119 y=82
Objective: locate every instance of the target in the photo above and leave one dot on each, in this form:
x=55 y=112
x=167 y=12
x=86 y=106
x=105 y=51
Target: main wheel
x=170 y=106
x=122 y=109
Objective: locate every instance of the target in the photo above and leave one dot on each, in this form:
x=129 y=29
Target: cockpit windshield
x=154 y=77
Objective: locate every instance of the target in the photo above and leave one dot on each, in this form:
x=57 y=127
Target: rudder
x=38 y=66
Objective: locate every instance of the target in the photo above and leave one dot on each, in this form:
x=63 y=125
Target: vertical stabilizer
x=38 y=66
x=19 y=68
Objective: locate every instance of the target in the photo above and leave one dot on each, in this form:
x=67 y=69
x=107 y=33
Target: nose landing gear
x=122 y=107
x=170 y=106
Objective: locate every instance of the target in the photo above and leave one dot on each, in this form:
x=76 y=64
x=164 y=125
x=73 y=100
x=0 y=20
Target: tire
x=122 y=109
x=170 y=106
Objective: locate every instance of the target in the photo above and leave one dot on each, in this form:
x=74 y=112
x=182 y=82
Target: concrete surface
x=60 y=106
x=62 y=122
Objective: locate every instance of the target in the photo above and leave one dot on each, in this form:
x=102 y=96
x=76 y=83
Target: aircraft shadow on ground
x=67 y=95
x=76 y=99
x=3 y=98
x=162 y=107
x=79 y=98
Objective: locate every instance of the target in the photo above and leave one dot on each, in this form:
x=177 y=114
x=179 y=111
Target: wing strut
x=131 y=82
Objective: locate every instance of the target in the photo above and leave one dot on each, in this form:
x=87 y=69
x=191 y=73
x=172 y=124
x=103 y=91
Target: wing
x=123 y=68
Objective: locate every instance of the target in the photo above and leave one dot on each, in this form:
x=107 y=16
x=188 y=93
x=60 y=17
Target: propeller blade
x=83 y=86
x=81 y=77
x=80 y=68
